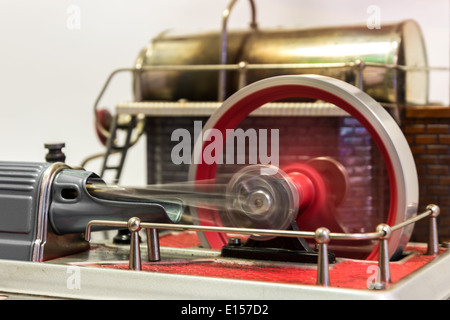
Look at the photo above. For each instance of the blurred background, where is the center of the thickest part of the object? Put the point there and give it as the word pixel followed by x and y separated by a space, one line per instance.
pixel 55 56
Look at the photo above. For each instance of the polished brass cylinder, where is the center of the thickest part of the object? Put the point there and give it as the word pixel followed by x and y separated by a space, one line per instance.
pixel 388 63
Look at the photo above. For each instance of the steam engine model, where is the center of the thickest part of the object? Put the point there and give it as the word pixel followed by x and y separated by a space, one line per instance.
pixel 277 169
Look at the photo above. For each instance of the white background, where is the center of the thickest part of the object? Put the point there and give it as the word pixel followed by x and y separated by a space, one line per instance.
pixel 51 74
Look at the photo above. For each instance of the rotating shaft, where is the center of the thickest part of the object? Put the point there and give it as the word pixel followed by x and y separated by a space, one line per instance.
pixel 250 199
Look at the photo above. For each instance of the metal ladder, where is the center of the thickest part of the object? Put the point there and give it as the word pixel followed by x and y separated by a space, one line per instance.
pixel 113 148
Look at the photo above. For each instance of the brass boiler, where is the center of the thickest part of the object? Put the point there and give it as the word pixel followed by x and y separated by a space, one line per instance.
pixel 387 63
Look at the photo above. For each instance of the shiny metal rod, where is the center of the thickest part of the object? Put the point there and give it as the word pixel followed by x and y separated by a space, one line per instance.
pixel 383 257
pixel 207 195
pixel 250 231
pixel 224 44
pixel 223 67
pixel 267 66
pixel 322 236
pixel 134 226
pixel 426 213
pixel 153 245
pixel 433 239
pixel 281 233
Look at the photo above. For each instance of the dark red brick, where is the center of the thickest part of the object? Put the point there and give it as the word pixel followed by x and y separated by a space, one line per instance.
pixel 421 170
pixel 437 149
pixel 445 181
pixel 438 128
pixel 437 169
pixel 427 199
pixel 425 139
pixel 418 149
pixel 439 190
pixel 428 180
pixel 415 128
pixel 426 159
pixel 444 211
pixel 444 159
pixel 409 139
pixel 444 138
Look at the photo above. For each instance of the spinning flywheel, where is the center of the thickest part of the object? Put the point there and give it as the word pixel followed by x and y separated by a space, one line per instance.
pixel 309 192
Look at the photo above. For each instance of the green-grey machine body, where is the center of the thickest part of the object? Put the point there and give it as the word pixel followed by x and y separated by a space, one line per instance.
pixel 45 208
pixel 19 198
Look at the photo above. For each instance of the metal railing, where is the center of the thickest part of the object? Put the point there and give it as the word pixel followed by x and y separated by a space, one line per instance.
pixel 243 67
pixel 322 236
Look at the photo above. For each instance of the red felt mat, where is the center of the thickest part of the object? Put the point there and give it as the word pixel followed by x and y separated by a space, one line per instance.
pixel 179 240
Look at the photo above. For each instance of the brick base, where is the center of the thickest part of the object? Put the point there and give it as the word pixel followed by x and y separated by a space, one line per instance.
pixel 427 130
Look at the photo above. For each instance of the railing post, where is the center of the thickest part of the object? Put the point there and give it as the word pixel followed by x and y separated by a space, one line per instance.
pixel 322 237
pixel 383 256
pixel 134 226
pixel 359 64
pixel 433 239
pixel 242 74
pixel 153 245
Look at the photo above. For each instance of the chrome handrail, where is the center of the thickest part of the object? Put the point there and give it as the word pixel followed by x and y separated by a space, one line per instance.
pixel 224 43
pixel 45 194
pixel 244 66
pixel 322 237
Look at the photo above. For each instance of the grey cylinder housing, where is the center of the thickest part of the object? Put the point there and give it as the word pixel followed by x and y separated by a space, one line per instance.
pixel 45 208
pixel 20 186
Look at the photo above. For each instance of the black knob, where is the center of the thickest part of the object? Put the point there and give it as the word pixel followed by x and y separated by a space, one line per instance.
pixel 55 153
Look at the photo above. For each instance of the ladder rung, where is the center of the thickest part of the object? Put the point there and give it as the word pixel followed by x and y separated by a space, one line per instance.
pixel 119 148
pixel 111 168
